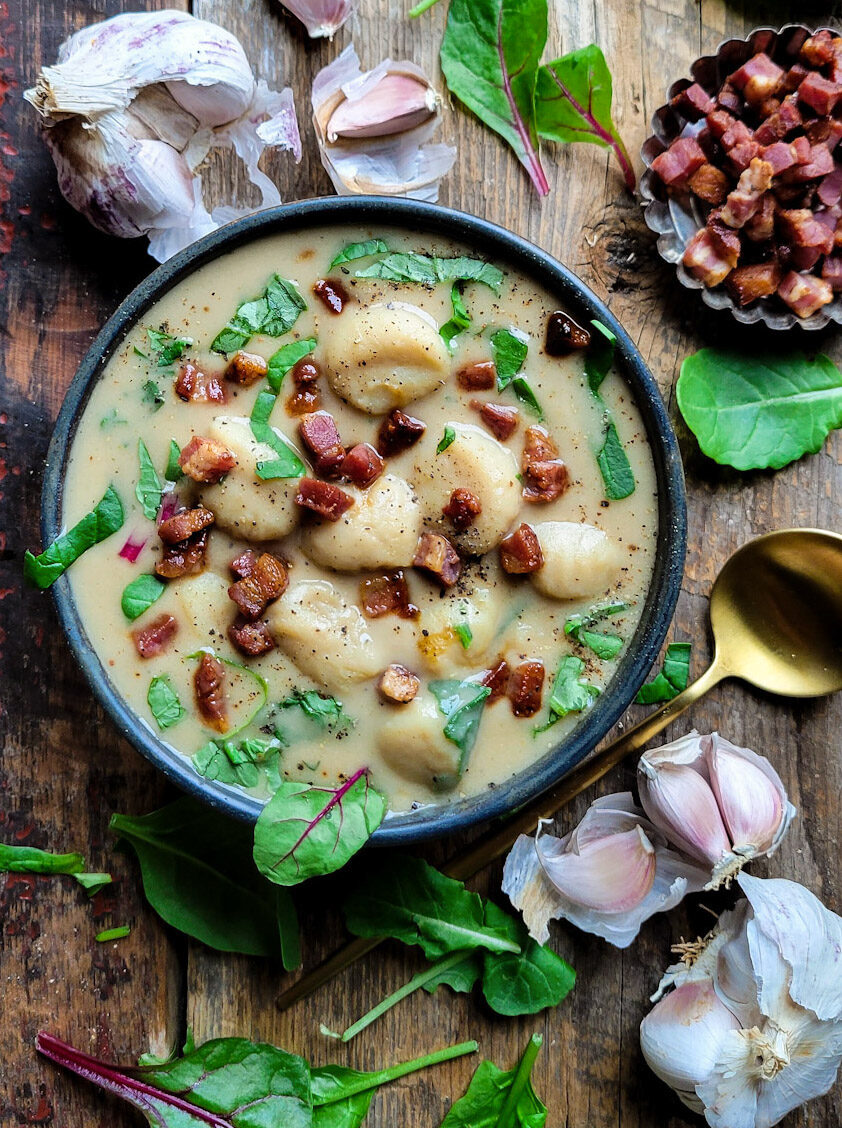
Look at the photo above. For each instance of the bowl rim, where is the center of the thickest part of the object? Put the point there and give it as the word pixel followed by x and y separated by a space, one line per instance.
pixel 501 245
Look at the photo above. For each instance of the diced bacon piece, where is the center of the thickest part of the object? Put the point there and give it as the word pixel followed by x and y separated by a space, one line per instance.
pixel 802 149
pixel 709 184
pixel 729 99
pixel 780 156
pixel 767 108
pixel 245 368
pixel 304 400
pixel 387 592
pixel 497 680
pixel 804 293
pixel 520 551
pixel 545 477
pixel 243 565
pixel 462 509
pixel 702 260
pixel 184 524
pixel 398 432
pixel 745 200
pixel 803 258
pixel 266 581
pixel 693 103
pixel 677 164
pixel 331 294
pixel 830 189
pixel 819 164
pixel 761 226
pixel 501 421
pixel 209 688
pixel 323 498
pixel 398 684
pixel 819 93
pixel 835 71
pixel 362 465
pixel 817 51
pixel 153 640
pixel 195 386
pixel 793 78
pixel 726 241
pixel 824 131
pixel 321 438
pixel 737 134
pixel 186 558
pixel 719 122
pixel 526 686
pixel 436 555
pixel 206 460
pixel 564 335
pixel 781 123
pixel 758 78
pixel 832 271
pixel 741 156
pixel 305 372
pixel 829 216
pixel 477 377
pixel 537 445
pixel 251 639
pixel 748 283
pixel 800 228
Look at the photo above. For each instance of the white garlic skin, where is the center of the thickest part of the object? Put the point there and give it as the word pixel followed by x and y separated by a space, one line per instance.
pixel 322 18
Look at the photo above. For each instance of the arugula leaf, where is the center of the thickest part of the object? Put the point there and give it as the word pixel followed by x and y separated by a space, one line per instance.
pixel 759 412
pixel 671 680
pixel 164 703
pixel 510 349
pixel 614 466
pixel 173 471
pixel 448 436
pixel 118 933
pixel 462 702
pixel 490 56
pixel 525 394
pixel 570 692
pixel 273 313
pixel 149 486
pixel 287 356
pixel 199 877
pixel 287 464
pixel 573 103
pixel 407 266
pixel 140 594
pixel 306 830
pixel 325 711
pixel 29 859
pixel 106 518
pixel 167 349
pixel 360 250
pixel 460 320
pixel 152 395
pixel 498 1098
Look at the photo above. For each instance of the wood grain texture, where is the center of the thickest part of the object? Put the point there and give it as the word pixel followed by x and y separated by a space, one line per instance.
pixel 62 770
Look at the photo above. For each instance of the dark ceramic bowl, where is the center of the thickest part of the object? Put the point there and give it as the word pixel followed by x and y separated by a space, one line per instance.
pixel 501 246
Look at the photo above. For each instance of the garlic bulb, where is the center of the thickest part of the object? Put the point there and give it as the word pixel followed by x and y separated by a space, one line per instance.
pixel 753 1028
pixel 132 108
pixel 719 804
pixel 608 876
pixel 322 17
pixel 372 128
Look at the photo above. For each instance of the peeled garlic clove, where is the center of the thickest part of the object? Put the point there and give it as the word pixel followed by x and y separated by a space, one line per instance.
pixel 680 803
pixel 397 103
pixel 322 17
pixel 750 795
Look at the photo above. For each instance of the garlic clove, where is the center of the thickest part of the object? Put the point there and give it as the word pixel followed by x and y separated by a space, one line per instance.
pixel 682 1038
pixel 750 795
pixel 610 875
pixel 397 103
pixel 681 804
pixel 322 17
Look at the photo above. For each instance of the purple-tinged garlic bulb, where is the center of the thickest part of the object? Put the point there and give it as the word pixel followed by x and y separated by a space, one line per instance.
pixel 322 18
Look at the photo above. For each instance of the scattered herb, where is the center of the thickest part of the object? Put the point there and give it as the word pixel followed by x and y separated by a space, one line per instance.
pixel 571 693
pixel 273 313
pixel 462 702
pixel 461 319
pixel 111 419
pixel 306 830
pixel 28 859
pixel 360 250
pixel 490 56
pixel 164 703
pixel 173 471
pixel 250 675
pixel 149 486
pixel 573 103
pixel 280 362
pixel 240 762
pixel 759 412
pixel 167 349
pixel 140 594
pixel 672 678
pixel 448 436
pixel 287 464
pixel 44 569
pixel 199 877
pixel 510 348
pixel 117 933
pixel 325 711
pixel 524 392
pixel 603 645
pixel 152 395
pixel 611 457
pixel 93 882
pixel 600 355
pixel 464 633
pixel 407 266
pixel 498 1098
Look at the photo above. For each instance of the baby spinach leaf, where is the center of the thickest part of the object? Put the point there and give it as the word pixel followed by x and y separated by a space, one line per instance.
pixel 462 703
pixel 759 412
pixel 448 437
pixel 523 390
pixel 570 692
pixel 498 1098
pixel 605 646
pixel 671 680
pixel 44 569
pixel 29 859
pixel 510 349
pixel 173 471
pixel 152 395
pixel 614 466
pixel 285 304
pixel 577 626
pixel 240 762
pixel 287 356
pixel 199 877
pixel 118 933
pixel 573 103
pixel 360 250
pixel 93 882
pixel 490 56
pixel 527 981
pixel 600 355
pixel 306 830
pixel 407 266
pixel 149 485
pixel 460 320
pixel 464 633
pixel 327 712
pixel 287 464
pixel 273 313
pixel 164 703
pixel 167 349
pixel 140 594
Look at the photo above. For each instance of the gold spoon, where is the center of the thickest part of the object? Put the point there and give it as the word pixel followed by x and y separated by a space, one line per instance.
pixel 776 617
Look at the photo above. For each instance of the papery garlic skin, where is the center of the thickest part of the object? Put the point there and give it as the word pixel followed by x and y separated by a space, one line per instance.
pixel 322 18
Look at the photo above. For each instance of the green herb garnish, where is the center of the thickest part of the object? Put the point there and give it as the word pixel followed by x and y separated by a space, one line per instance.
pixel 287 464
pixel 44 569
pixel 166 348
pixel 117 933
pixel 600 355
pixel 112 419
pixel 672 678
pixel 152 395
pixel 173 471
pixel 498 1098
pixel 360 250
pixel 149 486
pixel 164 703
pixel 29 859
pixel 510 349
pixel 448 436
pixel 611 457
pixel 93 882
pixel 462 702
pixel 523 390
pixel 460 320
pixel 327 712
pixel 464 633
pixel 273 313
pixel 571 693
pixel 280 362
pixel 429 270
pixel 140 594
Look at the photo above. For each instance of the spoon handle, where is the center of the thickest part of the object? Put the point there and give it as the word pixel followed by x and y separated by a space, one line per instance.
pixel 500 839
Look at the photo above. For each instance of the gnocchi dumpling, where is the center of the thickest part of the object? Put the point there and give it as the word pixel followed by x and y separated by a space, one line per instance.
pixel 243 504
pixel 412 742
pixel 475 461
pixel 579 560
pixel 384 356
pixel 478 615
pixel 326 637
pixel 380 530
pixel 194 595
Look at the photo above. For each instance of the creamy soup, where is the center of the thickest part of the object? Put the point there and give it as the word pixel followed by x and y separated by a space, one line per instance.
pixel 372 553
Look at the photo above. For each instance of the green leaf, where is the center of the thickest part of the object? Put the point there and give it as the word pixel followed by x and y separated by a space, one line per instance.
pixel 759 412
pixel 239 763
pixel 522 982
pixel 672 679
pixel 152 395
pixel 524 392
pixel 285 304
pixel 164 703
pixel 570 692
pixel 460 320
pixel 140 594
pixel 498 1098
pixel 93 882
pixel 462 703
pixel 28 859
pixel 307 830
pixel 166 348
pixel 614 466
pixel 360 250
pixel 464 633
pixel 280 362
pixel 575 624
pixel 448 436
pixel 273 313
pixel 173 471
pixel 199 877
pixel 510 349
pixel 573 103
pixel 44 569
pixel 118 933
pixel 600 355
pixel 605 646
pixel 111 419
pixel 490 56
pixel 149 485
pixel 428 270
pixel 287 464
pixel 327 712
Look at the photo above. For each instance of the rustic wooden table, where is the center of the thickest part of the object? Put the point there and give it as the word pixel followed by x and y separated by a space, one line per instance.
pixel 63 769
